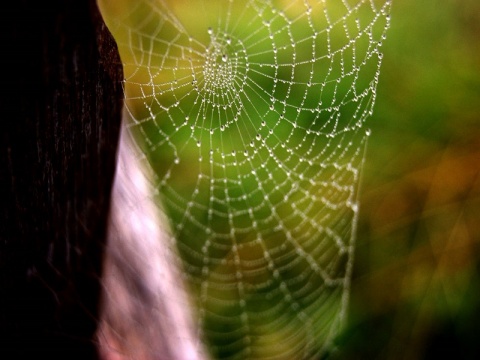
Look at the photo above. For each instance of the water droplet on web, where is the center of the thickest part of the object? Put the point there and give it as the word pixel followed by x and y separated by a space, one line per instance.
pixel 264 123
pixel 224 57
pixel 210 31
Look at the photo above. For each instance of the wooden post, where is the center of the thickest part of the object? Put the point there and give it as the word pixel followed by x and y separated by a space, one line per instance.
pixel 60 111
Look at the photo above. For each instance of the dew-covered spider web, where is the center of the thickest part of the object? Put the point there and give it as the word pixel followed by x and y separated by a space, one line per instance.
pixel 252 116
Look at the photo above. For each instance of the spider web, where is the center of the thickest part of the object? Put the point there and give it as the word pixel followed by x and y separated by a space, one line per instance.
pixel 252 116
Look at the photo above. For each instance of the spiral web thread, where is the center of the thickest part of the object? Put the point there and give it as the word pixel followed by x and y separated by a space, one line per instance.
pixel 252 116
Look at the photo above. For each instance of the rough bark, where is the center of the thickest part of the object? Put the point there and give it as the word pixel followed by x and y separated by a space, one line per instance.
pixel 60 112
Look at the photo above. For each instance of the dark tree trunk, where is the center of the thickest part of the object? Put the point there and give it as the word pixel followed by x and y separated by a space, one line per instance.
pixel 60 103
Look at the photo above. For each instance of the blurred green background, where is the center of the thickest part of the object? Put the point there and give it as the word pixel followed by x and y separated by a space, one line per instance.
pixel 416 282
